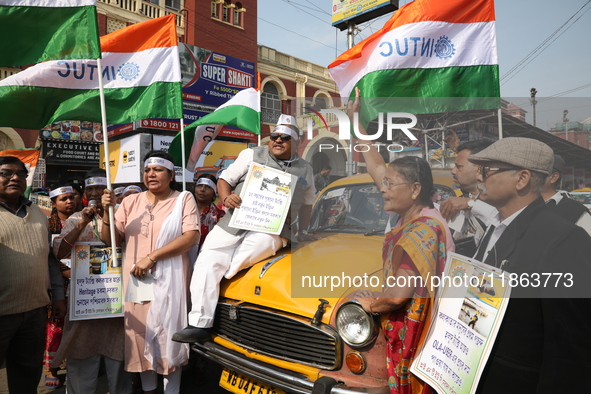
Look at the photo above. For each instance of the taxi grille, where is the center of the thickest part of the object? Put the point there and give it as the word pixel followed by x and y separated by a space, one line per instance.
pixel 278 336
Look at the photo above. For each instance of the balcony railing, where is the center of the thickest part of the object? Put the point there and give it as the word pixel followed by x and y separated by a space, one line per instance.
pixel 271 55
pixel 145 9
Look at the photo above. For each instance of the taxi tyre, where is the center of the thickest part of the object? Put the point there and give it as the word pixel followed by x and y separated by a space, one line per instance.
pixel 288 381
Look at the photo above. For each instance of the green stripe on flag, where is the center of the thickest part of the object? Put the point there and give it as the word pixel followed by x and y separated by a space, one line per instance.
pixel 35 34
pixel 429 90
pixel 239 116
pixel 32 107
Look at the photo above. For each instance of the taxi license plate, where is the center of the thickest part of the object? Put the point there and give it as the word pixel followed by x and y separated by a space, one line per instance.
pixel 240 384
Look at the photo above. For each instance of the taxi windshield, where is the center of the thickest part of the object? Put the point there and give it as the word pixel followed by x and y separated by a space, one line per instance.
pixel 350 209
pixel 582 197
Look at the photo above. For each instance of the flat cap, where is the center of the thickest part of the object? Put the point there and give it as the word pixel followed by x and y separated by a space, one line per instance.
pixel 559 164
pixel 520 152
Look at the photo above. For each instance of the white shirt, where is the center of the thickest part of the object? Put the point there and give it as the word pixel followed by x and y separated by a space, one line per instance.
pixel 483 211
pixel 500 227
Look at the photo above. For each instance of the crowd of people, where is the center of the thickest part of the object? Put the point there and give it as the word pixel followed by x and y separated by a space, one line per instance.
pixel 182 244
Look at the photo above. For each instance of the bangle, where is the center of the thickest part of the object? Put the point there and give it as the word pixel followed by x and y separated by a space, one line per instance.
pixel 151 259
pixel 224 201
pixel 66 241
pixel 105 223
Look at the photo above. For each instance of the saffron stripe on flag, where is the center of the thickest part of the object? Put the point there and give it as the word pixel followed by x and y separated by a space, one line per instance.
pixel 139 85
pixel 155 33
pixel 421 45
pixel 452 11
pixel 431 56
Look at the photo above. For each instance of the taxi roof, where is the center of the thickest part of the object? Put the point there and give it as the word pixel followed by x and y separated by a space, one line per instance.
pixel 441 176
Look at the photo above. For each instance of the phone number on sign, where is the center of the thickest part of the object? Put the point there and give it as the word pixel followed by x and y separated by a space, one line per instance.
pixel 544 279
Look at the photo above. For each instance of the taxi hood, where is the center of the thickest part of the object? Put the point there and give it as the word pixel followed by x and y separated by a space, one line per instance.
pixel 294 280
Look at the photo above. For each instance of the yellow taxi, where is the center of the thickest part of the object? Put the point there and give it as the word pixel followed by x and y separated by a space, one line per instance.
pixel 582 195
pixel 289 325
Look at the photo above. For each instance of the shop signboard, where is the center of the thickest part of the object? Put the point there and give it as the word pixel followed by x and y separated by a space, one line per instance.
pixel 125 158
pixel 70 152
pixel 359 11
pixel 210 79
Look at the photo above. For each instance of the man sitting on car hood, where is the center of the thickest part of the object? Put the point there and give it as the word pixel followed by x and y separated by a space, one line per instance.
pixel 228 250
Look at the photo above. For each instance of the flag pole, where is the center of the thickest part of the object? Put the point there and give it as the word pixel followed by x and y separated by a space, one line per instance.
pixel 110 209
pixel 500 117
pixel 183 154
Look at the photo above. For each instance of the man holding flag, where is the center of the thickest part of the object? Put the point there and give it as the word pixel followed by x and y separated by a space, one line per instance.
pixel 228 250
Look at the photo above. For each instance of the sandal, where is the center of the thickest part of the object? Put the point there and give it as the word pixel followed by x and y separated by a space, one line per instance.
pixel 52 383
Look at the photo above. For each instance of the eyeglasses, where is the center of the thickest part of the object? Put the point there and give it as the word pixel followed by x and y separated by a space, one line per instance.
pixel 284 137
pixel 487 170
pixel 10 174
pixel 389 184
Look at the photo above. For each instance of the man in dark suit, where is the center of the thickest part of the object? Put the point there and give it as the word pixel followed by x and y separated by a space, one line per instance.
pixel 543 345
pixel 571 210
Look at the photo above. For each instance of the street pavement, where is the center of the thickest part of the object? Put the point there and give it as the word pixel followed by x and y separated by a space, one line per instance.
pixel 198 378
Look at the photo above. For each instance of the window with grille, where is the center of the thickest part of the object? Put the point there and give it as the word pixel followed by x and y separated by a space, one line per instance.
pixel 270 104
pixel 215 10
pixel 226 11
pixel 238 14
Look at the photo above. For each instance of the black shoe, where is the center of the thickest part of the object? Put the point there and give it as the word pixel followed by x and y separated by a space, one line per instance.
pixel 192 334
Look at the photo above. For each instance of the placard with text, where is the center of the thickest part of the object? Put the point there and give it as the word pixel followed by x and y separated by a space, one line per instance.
pixel 471 301
pixel 96 282
pixel 266 196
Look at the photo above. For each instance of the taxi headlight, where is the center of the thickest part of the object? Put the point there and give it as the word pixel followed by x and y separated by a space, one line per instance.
pixel 354 325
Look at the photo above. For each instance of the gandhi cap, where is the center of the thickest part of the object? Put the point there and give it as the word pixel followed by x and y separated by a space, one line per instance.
pixel 287 120
pixel 520 152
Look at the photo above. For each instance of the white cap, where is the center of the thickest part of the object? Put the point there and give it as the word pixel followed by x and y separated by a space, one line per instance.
pixel 287 120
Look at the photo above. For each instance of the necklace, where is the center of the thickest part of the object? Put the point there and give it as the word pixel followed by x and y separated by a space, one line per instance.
pixel 156 203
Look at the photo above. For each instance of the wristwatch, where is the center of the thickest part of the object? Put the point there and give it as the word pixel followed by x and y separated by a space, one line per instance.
pixel 471 203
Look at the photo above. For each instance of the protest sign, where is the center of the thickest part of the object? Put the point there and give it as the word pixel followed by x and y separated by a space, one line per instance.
pixel 266 196
pixel 471 301
pixel 96 282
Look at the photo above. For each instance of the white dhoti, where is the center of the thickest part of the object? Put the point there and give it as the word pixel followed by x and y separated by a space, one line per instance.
pixel 223 255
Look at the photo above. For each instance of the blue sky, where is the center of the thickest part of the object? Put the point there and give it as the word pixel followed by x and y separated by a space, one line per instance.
pixel 302 28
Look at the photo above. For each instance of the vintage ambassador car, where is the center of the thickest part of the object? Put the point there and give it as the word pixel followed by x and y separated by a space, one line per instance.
pixel 286 324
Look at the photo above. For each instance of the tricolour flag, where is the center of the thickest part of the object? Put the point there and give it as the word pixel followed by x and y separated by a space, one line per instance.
pixel 33 31
pixel 242 111
pixel 141 76
pixel 429 48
